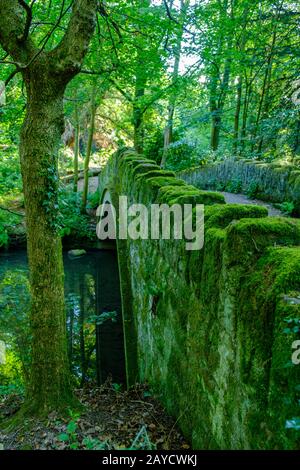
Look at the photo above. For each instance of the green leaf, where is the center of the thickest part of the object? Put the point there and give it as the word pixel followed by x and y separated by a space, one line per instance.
pixel 63 437
pixel 71 428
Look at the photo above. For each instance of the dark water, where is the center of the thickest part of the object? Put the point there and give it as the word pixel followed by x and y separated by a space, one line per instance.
pixel 93 307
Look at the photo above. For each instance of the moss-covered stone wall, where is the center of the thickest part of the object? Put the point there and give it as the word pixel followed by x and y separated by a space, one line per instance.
pixel 274 182
pixel 212 330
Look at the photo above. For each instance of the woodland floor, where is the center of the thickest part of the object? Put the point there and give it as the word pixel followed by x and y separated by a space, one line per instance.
pixel 111 420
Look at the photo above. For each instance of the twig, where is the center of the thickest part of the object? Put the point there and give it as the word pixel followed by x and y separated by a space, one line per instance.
pixel 28 10
pixel 142 402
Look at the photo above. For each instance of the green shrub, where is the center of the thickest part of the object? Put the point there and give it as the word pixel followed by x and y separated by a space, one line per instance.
pixel 234 186
pixel 93 200
pixel 183 154
pixel 252 190
pixel 287 207
pixel 72 222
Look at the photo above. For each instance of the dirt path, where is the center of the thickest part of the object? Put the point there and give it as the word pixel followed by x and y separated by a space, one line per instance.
pixel 231 198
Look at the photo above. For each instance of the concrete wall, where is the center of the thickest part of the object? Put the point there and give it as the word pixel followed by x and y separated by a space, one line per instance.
pixel 205 328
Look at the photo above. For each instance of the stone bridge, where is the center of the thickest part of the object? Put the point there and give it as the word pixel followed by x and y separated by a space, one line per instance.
pixel 211 330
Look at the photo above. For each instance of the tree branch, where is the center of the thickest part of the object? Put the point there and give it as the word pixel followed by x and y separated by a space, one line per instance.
pixel 124 93
pixel 70 52
pixel 105 15
pixel 169 14
pixel 98 72
pixel 45 40
pixel 28 10
pixel 12 28
pixel 161 92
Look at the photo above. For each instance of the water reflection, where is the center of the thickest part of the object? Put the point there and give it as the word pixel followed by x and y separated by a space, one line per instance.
pixel 93 312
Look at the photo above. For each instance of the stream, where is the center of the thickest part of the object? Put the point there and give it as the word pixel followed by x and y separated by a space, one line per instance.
pixel 93 312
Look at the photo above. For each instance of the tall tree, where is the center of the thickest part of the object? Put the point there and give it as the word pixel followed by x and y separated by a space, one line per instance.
pixel 93 109
pixel 46 73
pixel 168 133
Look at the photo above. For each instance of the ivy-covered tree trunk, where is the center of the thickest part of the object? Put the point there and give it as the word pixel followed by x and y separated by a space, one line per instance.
pixel 40 138
pixel 46 75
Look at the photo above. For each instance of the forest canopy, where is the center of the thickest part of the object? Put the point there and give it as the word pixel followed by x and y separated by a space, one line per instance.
pixel 205 79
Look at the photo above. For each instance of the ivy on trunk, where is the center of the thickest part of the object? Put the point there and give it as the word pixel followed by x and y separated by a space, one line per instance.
pixel 46 75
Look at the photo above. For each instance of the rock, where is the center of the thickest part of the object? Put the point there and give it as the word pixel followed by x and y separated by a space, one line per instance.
pixel 76 253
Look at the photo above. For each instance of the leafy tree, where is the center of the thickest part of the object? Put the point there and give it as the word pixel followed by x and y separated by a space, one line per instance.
pixel 47 64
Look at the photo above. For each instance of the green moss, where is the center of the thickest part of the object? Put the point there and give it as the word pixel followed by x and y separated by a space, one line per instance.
pixel 248 238
pixel 212 266
pixel 203 197
pixel 159 181
pixel 156 173
pixel 206 327
pixel 221 216
pixel 287 231
pixel 143 168
pixel 188 195
pixel 285 264
pixel 134 162
pixel 262 308
pixel 170 192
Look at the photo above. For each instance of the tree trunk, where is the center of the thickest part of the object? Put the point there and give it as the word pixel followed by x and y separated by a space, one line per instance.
pixel 89 149
pixel 246 103
pixel 40 138
pixel 138 115
pixel 265 110
pixel 138 127
pixel 217 102
pixel 215 132
pixel 264 99
pixel 237 115
pixel 76 149
pixel 138 107
pixel 215 118
pixel 46 75
pixel 168 133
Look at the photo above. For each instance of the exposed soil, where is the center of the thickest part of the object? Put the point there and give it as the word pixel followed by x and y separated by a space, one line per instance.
pixel 231 198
